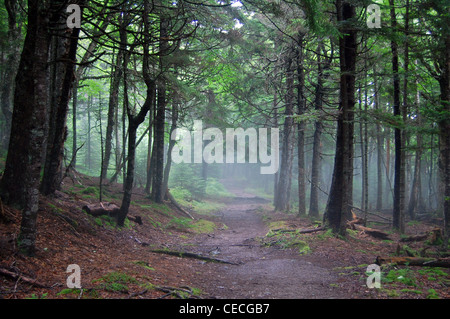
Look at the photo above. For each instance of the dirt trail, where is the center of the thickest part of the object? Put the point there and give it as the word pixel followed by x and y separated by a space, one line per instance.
pixel 263 272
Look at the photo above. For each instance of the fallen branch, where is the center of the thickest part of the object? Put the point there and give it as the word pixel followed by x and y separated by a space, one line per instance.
pixel 140 242
pixel 434 235
pixel 192 255
pixel 298 231
pixel 371 231
pixel 414 261
pixel 102 208
pixel 177 291
pixel 355 225
pixel 175 203
pixel 26 279
pixel 139 293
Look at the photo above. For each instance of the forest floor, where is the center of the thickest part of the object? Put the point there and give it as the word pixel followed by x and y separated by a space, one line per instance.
pixel 258 253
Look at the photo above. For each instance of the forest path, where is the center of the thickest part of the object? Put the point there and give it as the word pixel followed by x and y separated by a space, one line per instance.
pixel 262 272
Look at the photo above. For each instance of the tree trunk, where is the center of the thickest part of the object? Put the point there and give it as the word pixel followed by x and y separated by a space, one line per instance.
pixel 112 109
pixel 415 198
pixel 379 204
pixel 88 150
pixel 20 182
pixel 63 51
pixel 135 120
pixel 399 173
pixel 301 126
pixel 171 145
pixel 275 124
pixel 74 124
pixel 338 209
pixel 444 130
pixel 282 195
pixel 149 152
pixel 133 124
pixel 10 69
pixel 157 186
pixel 364 146
pixel 318 127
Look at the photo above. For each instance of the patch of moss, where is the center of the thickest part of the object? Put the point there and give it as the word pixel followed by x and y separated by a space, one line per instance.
pixel 404 275
pixel 203 226
pixel 115 282
pixel 432 294
pixel 72 293
pixel 286 240
pixel 143 264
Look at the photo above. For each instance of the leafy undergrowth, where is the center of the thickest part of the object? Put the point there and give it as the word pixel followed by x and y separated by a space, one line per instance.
pixel 114 262
pixel 350 257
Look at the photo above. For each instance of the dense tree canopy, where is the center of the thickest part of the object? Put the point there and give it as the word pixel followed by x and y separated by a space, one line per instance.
pixel 363 112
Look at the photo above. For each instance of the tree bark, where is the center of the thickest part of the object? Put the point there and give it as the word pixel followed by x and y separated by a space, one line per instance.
pixel 157 185
pixel 444 132
pixel 171 145
pixel 379 137
pixel 301 127
pixel 282 195
pixel 112 109
pixel 135 120
pixel 63 51
pixel 399 173
pixel 20 182
pixel 338 209
pixel 10 69
pixel 322 66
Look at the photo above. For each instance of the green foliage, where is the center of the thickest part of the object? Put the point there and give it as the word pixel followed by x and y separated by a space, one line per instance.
pixel 72 293
pixel 115 282
pixel 180 223
pixel 34 296
pixel 432 294
pixel 286 240
pixel 110 222
pixel 184 176
pixel 200 226
pixel 404 275
pixel 216 190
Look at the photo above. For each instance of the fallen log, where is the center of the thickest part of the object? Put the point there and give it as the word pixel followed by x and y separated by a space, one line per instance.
pixel 434 236
pixel 192 255
pixel 102 208
pixel 21 277
pixel 414 261
pixel 178 206
pixel 371 231
pixel 356 222
pixel 136 219
pixel 298 231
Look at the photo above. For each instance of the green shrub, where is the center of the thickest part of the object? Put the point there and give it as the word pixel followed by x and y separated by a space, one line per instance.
pixel 185 176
